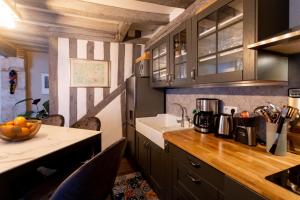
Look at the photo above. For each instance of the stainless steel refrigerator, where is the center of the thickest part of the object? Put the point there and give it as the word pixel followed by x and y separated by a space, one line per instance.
pixel 142 101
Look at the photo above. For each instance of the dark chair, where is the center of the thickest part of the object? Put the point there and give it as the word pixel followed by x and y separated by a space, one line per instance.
pixel 55 120
pixel 94 179
pixel 89 123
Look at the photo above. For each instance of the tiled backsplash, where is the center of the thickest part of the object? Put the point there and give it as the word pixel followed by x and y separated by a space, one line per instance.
pixel 245 98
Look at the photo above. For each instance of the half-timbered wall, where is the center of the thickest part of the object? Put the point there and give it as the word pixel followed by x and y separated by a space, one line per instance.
pixel 108 104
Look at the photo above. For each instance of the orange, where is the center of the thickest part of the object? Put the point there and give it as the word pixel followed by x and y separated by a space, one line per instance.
pixel 6 130
pixel 29 125
pixel 10 123
pixel 16 130
pixel 20 121
pixel 24 132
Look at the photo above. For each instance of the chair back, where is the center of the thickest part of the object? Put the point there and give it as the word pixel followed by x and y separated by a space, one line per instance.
pixel 94 179
pixel 89 123
pixel 55 120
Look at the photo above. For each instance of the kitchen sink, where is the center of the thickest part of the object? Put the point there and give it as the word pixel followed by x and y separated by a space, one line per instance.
pixel 289 179
pixel 154 127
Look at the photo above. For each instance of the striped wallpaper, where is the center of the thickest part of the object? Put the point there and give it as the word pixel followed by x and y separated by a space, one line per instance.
pixel 108 104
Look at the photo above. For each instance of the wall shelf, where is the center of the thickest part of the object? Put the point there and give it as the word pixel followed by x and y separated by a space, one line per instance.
pixel 288 43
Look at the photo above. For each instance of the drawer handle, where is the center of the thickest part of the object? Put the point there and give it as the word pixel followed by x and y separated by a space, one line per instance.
pixel 194 180
pixel 195 164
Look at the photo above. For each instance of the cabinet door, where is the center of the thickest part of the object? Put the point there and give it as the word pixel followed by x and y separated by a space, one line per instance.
pixel 159 170
pixel 180 54
pixel 219 47
pixel 131 140
pixel 234 190
pixel 142 148
pixel 159 63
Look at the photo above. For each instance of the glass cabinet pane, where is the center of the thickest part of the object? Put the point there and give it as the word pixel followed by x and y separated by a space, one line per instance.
pixel 230 14
pixel 155 64
pixel 180 71
pixel 163 49
pixel 207 45
pixel 207 25
pixel 163 75
pixel 230 61
pixel 155 53
pixel 230 37
pixel 163 62
pixel 207 65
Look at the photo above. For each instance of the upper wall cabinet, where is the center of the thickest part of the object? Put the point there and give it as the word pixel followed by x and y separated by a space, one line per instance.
pixel 223 32
pixel 218 38
pixel 180 54
pixel 159 63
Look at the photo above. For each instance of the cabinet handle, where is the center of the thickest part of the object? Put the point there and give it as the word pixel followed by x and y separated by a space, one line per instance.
pixel 195 164
pixel 194 180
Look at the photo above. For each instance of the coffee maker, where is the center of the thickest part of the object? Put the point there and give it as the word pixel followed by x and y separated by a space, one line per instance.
pixel 206 109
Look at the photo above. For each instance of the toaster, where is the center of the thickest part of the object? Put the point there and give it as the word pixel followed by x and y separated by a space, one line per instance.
pixel 245 129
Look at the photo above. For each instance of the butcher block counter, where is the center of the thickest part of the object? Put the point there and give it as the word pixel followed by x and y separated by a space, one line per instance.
pixel 245 164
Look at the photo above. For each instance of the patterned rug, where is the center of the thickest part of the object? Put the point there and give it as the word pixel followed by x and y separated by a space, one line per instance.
pixel 133 187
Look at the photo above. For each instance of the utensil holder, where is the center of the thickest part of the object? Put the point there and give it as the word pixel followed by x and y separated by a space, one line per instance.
pixel 271 137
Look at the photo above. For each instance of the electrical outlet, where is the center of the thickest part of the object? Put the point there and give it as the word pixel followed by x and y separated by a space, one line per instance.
pixel 227 109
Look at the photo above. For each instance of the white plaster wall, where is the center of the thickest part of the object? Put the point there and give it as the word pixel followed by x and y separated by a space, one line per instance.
pixel 111 123
pixel 37 64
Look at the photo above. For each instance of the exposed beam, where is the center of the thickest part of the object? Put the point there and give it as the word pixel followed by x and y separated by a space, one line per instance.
pixel 33 48
pixel 24 37
pixel 122 31
pixel 6 48
pixel 98 11
pixel 50 19
pixel 196 7
pixel 172 3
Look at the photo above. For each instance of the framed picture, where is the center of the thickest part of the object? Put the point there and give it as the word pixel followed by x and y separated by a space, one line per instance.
pixel 89 73
pixel 45 83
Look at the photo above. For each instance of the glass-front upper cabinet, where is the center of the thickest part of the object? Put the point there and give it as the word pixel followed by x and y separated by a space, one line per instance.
pixel 180 54
pixel 220 43
pixel 160 63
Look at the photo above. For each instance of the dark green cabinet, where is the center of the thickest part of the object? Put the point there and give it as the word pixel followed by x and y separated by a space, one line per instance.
pixel 234 190
pixel 160 63
pixel 212 47
pixel 181 54
pixel 223 32
pixel 154 163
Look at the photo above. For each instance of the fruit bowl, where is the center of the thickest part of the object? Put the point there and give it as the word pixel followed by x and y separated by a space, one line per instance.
pixel 13 131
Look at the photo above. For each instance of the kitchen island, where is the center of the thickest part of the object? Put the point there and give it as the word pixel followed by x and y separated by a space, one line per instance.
pixel 244 164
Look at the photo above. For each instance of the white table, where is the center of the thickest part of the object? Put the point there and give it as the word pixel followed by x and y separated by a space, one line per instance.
pixel 49 141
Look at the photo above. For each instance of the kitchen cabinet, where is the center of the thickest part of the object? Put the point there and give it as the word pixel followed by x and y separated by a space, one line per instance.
pixel 159 63
pixel 130 150
pixel 181 54
pixel 223 32
pixel 193 179
pixel 235 190
pixel 154 163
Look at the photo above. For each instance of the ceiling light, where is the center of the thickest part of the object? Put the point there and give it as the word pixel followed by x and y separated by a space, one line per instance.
pixel 8 14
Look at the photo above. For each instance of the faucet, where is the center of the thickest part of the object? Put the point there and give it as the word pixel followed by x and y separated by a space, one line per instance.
pixel 183 114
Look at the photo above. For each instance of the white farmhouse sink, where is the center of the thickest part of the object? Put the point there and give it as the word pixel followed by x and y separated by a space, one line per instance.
pixel 154 127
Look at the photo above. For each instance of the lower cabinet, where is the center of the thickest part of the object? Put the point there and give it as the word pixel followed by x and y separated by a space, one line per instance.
pixel 176 175
pixel 154 163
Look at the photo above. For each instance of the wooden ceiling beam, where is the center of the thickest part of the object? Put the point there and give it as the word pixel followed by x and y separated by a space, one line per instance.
pixel 7 49
pixel 172 3
pixel 122 31
pixel 50 19
pixel 24 37
pixel 98 11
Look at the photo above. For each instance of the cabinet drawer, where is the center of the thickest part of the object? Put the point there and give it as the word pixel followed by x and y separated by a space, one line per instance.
pixel 205 171
pixel 190 185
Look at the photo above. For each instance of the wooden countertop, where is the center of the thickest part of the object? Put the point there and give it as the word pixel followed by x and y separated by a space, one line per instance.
pixel 248 165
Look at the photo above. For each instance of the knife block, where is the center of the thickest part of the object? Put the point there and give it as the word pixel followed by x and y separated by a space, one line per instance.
pixel 271 137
